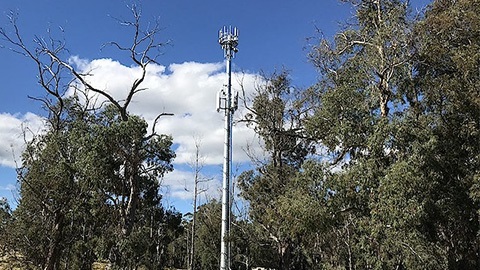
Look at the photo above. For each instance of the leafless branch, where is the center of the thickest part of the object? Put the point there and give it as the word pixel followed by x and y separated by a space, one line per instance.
pixel 158 118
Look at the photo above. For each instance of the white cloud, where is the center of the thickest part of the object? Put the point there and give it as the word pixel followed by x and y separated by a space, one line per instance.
pixel 8 187
pixel 180 184
pixel 14 130
pixel 188 90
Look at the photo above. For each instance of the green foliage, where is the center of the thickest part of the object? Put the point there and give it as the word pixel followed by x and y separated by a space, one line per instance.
pixel 89 184
pixel 90 191
pixel 208 235
pixel 396 118
pixel 277 121
pixel 207 239
pixel 275 117
pixel 5 217
pixel 449 76
pixel 377 166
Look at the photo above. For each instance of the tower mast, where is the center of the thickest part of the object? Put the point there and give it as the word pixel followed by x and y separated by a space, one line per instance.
pixel 228 39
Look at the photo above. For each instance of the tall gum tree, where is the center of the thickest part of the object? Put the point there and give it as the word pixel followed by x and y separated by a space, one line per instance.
pixel 273 115
pixel 362 100
pixel 92 160
pixel 398 113
pixel 448 78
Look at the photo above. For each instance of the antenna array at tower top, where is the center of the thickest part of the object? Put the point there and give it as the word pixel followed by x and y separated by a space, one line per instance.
pixel 228 38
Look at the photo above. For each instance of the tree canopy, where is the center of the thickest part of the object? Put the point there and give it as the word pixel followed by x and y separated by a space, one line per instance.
pixel 375 166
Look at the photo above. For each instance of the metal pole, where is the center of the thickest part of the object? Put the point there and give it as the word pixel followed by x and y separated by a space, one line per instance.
pixel 228 38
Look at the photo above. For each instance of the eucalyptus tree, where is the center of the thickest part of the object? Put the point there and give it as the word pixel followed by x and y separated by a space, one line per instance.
pixel 397 112
pixel 89 182
pixel 448 81
pixel 5 215
pixel 207 231
pixel 361 119
pixel 273 115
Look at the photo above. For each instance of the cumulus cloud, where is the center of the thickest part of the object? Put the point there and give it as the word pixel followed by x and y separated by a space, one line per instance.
pixel 180 184
pixel 8 187
pixel 188 90
pixel 15 129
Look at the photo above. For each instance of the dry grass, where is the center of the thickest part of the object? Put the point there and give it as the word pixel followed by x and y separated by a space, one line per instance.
pixel 8 263
pixel 99 266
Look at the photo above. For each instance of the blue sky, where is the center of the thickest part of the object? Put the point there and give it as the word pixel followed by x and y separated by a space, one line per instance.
pixel 273 35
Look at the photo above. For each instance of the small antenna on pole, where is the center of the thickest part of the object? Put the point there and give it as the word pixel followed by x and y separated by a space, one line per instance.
pixel 228 39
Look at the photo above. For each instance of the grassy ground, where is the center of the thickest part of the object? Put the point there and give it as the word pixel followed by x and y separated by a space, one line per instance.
pixel 10 264
pixel 98 266
pixel 7 263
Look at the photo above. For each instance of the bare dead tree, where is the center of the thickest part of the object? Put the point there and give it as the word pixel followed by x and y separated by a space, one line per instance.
pixel 197 164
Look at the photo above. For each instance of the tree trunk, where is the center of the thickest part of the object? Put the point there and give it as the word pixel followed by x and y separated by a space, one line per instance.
pixel 131 174
pixel 284 249
pixel 384 95
pixel 192 249
pixel 53 257
pixel 129 217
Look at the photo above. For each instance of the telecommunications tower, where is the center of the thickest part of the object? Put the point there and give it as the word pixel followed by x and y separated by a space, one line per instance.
pixel 228 38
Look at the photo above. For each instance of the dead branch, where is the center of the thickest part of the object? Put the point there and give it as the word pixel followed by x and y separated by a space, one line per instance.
pixel 158 118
